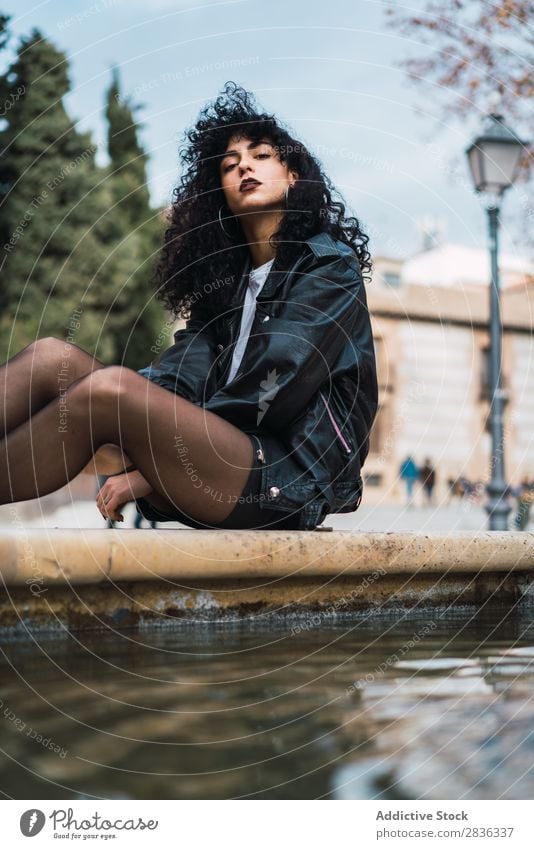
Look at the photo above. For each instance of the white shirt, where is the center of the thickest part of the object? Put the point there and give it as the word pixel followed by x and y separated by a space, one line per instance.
pixel 256 279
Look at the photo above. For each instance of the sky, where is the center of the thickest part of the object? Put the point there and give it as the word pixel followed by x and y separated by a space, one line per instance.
pixel 330 70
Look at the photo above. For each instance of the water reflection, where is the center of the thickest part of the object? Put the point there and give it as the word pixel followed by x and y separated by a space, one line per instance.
pixel 435 705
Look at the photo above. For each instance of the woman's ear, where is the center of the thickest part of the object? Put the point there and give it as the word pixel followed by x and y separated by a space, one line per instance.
pixel 295 177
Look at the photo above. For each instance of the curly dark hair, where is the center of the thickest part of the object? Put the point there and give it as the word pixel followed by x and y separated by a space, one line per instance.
pixel 196 250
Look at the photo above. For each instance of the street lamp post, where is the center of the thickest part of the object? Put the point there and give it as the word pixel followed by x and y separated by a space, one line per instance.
pixel 493 158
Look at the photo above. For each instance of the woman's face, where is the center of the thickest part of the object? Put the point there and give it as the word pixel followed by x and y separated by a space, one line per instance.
pixel 253 178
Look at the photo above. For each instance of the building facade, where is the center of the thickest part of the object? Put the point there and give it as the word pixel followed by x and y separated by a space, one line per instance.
pixel 430 318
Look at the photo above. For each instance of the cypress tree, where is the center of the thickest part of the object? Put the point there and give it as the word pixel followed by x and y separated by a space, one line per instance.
pixel 51 198
pixel 4 31
pixel 136 318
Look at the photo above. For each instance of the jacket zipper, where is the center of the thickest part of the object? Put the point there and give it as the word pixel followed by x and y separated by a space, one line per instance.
pixel 336 427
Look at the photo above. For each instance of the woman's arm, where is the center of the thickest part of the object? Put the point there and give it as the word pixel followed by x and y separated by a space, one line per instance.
pixel 118 491
pixel 188 366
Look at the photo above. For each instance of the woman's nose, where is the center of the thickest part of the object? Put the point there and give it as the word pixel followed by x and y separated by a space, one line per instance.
pixel 244 165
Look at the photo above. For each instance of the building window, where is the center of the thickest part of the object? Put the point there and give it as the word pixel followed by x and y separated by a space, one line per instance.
pixel 392 278
pixel 376 437
pixel 384 367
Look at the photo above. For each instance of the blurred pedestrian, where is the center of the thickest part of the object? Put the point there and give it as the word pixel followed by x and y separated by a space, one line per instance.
pixel 427 476
pixel 409 473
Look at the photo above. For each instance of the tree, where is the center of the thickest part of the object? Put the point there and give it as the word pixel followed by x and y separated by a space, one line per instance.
pixel 137 233
pixel 5 103
pixel 51 199
pixel 4 31
pixel 127 157
pixel 478 49
pixel 76 240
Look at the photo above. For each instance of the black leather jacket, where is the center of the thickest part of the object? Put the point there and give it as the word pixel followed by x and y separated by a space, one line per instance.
pixel 306 385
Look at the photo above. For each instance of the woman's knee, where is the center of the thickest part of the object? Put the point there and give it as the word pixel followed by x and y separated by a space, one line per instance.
pixel 58 363
pixel 102 385
pixel 47 346
pixel 43 358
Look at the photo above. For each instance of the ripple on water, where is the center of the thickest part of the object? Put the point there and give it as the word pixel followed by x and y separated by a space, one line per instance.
pixel 448 728
pixel 361 707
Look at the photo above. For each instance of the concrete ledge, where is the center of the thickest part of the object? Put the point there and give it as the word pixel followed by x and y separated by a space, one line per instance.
pixel 123 578
pixel 91 556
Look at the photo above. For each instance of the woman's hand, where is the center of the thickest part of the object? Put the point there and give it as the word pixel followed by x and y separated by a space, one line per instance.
pixel 118 491
pixel 107 460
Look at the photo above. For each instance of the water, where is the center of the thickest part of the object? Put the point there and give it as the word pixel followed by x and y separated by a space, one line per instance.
pixel 435 705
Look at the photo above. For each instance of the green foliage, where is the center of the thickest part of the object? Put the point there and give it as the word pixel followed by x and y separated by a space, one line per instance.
pixel 74 238
pixel 136 320
pixel 128 160
pixel 4 30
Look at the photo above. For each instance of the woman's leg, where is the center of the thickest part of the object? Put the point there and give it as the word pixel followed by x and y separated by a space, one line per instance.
pixel 193 459
pixel 36 375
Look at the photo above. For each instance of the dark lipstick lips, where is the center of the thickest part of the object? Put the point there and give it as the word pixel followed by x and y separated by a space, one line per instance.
pixel 248 182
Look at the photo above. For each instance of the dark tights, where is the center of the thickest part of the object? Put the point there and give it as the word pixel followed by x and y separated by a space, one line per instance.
pixel 60 405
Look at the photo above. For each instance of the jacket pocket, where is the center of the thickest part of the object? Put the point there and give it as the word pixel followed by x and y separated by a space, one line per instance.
pixel 341 438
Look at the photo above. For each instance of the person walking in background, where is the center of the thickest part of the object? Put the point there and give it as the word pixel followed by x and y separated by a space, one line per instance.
pixel 427 476
pixel 409 473
pixel 452 489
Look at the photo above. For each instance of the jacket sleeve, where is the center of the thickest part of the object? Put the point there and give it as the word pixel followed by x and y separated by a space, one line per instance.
pixel 188 366
pixel 290 356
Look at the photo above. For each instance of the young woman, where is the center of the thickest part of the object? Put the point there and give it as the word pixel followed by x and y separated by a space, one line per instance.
pixel 259 415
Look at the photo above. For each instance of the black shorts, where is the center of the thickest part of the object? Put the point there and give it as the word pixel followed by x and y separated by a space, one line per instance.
pixel 247 513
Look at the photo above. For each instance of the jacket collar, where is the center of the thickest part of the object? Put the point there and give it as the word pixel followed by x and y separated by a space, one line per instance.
pixel 321 245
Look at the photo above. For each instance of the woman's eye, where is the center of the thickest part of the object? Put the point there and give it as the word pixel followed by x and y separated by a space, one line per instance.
pixel 258 156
